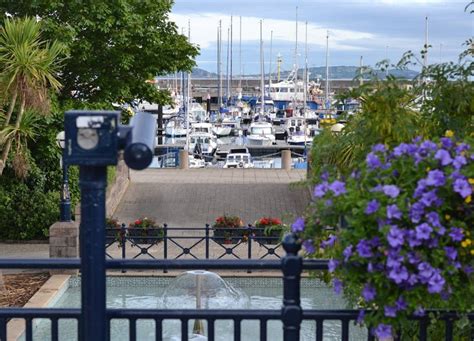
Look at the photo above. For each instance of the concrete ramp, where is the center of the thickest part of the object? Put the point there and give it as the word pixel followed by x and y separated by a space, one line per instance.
pixel 194 197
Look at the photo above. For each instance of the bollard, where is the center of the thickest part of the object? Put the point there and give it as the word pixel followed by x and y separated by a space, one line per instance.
pixel 292 265
pixel 183 159
pixel 286 160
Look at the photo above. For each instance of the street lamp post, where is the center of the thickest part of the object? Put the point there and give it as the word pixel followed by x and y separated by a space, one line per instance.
pixel 65 204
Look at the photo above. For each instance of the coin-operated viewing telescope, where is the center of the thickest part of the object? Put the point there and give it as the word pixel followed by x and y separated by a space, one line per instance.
pixel 94 138
pixel 93 142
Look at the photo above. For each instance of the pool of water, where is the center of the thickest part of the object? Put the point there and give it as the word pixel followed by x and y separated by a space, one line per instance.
pixel 146 293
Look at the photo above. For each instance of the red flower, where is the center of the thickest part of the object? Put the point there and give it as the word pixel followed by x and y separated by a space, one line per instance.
pixel 138 222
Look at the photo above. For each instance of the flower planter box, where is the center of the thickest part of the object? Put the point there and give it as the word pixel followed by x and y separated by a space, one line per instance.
pixel 149 236
pixel 227 235
pixel 266 236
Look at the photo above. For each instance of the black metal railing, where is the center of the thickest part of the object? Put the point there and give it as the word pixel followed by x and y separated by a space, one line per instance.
pixel 190 242
pixel 291 315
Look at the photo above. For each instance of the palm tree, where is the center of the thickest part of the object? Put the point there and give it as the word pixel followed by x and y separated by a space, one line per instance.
pixel 28 69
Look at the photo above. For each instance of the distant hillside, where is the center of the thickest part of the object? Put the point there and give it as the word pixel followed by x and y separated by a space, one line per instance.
pixel 201 73
pixel 335 72
pixel 348 72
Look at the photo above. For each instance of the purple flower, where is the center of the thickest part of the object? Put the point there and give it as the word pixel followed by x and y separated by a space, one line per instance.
pixel 436 283
pixel 425 271
pixel 325 176
pixel 328 203
pixel 462 187
pixel 416 212
pixel 423 231
pixel 320 190
pixel 308 246
pixel 394 261
pixel 401 304
pixel 368 293
pixel 337 284
pixel 413 258
pixel 398 275
pixel 433 219
pixel 372 206
pixel 395 237
pixel 412 280
pixel 400 150
pixel 412 239
pixel 379 148
pixel 456 234
pixel 298 225
pixel 383 332
pixel 390 311
pixel 444 157
pixel 364 249
pixel 420 187
pixel 435 178
pixel 347 253
pixel 419 311
pixel 461 147
pixel 332 265
pixel 393 212
pixel 446 142
pixel 360 317
pixel 373 161
pixel 468 269
pixel 427 146
pixel 329 242
pixel 338 188
pixel 451 252
pixel 428 198
pixel 459 161
pixel 391 190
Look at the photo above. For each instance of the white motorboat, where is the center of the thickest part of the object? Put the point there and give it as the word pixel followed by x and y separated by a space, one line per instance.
pixel 195 162
pixel 201 128
pixel 201 143
pixel 219 129
pixel 261 134
pixel 197 113
pixel 238 160
pixel 175 128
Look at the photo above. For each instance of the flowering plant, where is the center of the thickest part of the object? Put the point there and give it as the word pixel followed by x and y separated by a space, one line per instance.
pixel 143 223
pixel 228 221
pixel 145 231
pixel 273 228
pixel 398 232
pixel 225 229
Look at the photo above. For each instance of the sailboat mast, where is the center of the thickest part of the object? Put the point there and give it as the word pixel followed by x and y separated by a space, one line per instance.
pixel 188 94
pixel 227 68
pixel 231 55
pixel 326 96
pixel 305 81
pixel 425 56
pixel 271 53
pixel 296 50
pixel 219 61
pixel 240 52
pixel 262 82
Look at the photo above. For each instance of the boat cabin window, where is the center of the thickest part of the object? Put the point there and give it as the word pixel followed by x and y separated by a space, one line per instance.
pixel 283 89
pixel 261 130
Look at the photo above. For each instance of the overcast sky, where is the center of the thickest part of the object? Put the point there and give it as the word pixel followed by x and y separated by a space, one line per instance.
pixel 374 29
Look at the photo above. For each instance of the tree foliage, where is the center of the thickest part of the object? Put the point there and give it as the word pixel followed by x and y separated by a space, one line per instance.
pixel 114 46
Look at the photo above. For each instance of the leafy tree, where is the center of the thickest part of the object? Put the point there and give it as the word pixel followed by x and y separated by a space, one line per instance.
pixel 28 69
pixel 114 46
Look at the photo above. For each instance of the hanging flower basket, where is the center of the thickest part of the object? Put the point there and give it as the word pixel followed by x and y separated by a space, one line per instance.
pixel 268 230
pixel 228 230
pixel 145 231
pixel 112 230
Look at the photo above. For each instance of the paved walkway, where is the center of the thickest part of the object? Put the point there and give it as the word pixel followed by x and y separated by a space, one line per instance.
pixel 194 197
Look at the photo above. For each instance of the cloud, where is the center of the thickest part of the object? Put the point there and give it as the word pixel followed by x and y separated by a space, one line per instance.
pixel 204 31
